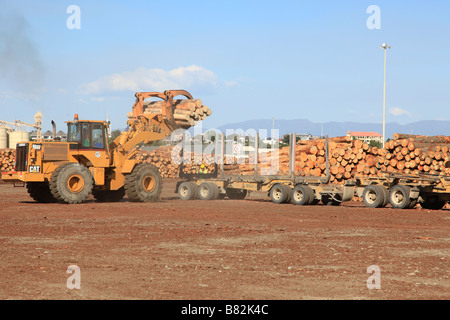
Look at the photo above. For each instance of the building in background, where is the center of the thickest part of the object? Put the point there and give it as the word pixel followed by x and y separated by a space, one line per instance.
pixel 366 137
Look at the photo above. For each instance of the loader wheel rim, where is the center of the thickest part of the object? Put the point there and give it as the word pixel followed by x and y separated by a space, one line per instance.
pixel 149 183
pixel 75 183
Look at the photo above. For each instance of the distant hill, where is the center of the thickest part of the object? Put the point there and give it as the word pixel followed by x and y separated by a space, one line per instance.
pixel 336 129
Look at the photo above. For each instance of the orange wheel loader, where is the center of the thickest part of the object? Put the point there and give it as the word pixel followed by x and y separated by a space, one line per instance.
pixel 69 172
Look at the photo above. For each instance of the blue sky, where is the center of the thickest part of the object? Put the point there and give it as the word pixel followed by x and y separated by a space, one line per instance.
pixel 246 60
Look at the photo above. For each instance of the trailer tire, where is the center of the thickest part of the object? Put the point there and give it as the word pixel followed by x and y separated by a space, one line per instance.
pixel 208 191
pixel 386 195
pixel 71 183
pixel 399 197
pixel 280 193
pixel 188 191
pixel 40 192
pixel 302 195
pixel 373 196
pixel 109 195
pixel 144 183
pixel 432 203
pixel 236 194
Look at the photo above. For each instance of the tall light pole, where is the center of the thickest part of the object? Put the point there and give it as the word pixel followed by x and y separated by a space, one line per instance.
pixel 384 46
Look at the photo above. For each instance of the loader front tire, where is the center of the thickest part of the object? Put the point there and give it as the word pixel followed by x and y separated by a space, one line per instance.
pixel 144 183
pixel 71 183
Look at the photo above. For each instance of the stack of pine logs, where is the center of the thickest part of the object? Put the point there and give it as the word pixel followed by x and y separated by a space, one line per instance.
pixel 413 154
pixel 406 154
pixel 187 113
pixel 7 160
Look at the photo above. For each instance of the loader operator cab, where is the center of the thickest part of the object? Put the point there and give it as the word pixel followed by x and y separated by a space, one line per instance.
pixel 88 134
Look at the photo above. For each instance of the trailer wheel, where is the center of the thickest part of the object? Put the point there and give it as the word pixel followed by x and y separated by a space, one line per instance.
pixel 373 196
pixel 280 193
pixel 40 192
pixel 302 195
pixel 399 197
pixel 144 183
pixel 208 191
pixel 432 203
pixel 71 183
pixel 386 195
pixel 236 194
pixel 188 191
pixel 109 195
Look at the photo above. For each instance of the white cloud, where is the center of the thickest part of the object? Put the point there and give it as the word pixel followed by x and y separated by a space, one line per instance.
pixel 230 84
pixel 142 79
pixel 399 112
pixel 32 95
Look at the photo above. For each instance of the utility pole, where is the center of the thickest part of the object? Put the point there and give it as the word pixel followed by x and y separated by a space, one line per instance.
pixel 384 46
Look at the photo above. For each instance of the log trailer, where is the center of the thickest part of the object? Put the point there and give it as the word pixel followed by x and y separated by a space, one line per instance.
pixel 69 172
pixel 280 189
pixel 403 191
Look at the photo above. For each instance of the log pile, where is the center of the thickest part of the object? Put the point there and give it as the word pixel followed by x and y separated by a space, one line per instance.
pixel 186 112
pixel 7 160
pixel 406 154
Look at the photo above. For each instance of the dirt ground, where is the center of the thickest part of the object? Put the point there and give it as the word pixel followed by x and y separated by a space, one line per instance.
pixel 225 249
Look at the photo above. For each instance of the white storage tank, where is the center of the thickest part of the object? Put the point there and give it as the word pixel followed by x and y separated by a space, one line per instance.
pixel 3 138
pixel 16 137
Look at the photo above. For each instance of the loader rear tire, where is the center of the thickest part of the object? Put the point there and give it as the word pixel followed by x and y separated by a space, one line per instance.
pixel 71 183
pixel 40 192
pixel 144 183
pixel 109 195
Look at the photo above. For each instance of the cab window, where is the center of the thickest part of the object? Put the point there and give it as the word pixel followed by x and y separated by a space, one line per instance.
pixel 74 133
pixel 88 135
pixel 97 136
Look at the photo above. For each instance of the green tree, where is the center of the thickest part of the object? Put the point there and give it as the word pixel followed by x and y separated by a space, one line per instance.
pixel 374 143
pixel 114 135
